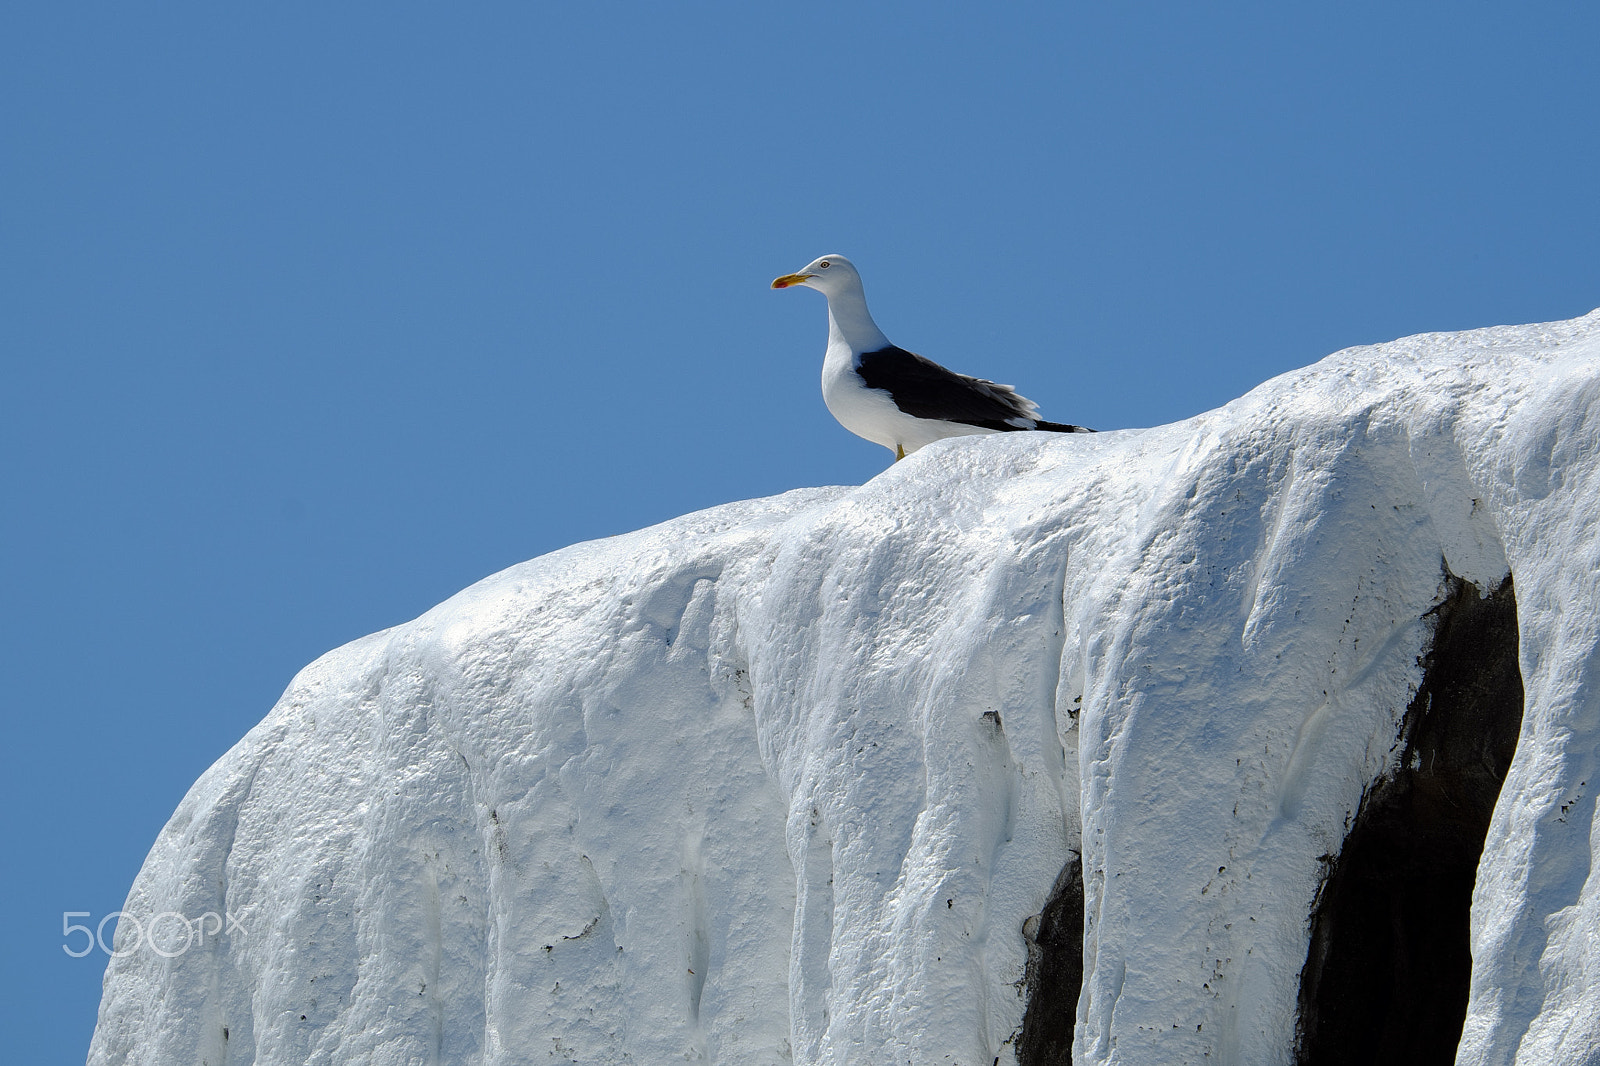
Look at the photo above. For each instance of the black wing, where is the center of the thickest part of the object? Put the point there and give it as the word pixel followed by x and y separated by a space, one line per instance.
pixel 924 389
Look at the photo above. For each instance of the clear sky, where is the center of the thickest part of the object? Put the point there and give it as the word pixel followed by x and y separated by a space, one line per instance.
pixel 311 316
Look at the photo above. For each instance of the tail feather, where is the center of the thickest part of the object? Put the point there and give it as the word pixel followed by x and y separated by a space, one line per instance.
pixel 1060 427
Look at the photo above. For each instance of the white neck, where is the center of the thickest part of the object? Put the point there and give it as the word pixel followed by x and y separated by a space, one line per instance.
pixel 848 321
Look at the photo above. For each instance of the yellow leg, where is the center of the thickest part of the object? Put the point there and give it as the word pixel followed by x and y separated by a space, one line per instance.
pixel 899 452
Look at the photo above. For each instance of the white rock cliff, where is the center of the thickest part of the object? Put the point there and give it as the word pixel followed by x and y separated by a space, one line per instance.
pixel 782 781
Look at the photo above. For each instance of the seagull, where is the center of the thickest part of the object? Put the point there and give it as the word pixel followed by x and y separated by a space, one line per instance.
pixel 894 397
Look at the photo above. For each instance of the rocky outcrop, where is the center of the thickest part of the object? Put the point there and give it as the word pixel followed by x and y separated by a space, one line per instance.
pixel 1142 724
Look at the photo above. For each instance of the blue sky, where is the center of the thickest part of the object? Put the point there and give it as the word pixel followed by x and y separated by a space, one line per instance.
pixel 312 317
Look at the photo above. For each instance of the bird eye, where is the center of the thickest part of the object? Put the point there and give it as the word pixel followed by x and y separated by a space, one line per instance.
pixel 823 264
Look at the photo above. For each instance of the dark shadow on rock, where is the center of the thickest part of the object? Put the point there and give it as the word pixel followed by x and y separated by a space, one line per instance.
pixel 1387 975
pixel 1055 972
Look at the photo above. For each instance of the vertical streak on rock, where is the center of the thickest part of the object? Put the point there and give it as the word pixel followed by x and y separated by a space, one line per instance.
pixel 434 935
pixel 697 924
pixel 810 973
pixel 1055 972
pixel 1386 978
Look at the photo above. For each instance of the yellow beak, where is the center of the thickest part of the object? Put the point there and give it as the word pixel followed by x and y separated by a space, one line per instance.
pixel 790 279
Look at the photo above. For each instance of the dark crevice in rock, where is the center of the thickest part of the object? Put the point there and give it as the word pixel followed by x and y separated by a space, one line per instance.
pixel 1387 975
pixel 1055 972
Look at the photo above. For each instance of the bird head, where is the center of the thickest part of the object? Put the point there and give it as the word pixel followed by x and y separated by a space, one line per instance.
pixel 828 275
